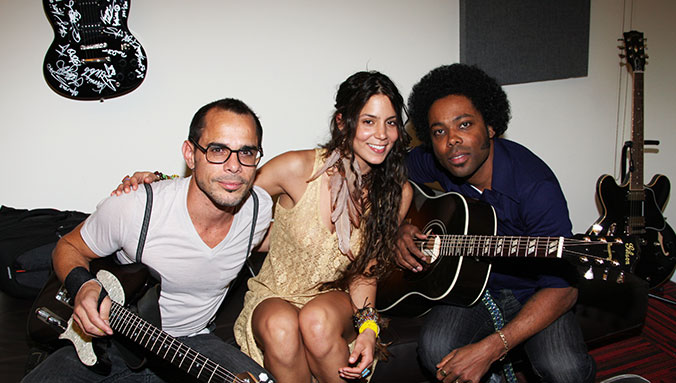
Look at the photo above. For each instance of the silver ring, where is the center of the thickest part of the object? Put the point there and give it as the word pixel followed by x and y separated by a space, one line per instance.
pixel 442 372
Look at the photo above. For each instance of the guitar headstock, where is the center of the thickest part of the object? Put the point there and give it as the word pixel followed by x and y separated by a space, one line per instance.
pixel 634 50
pixel 606 258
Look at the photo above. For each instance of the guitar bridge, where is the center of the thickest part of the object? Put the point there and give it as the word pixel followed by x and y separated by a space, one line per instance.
pixel 63 297
pixel 97 60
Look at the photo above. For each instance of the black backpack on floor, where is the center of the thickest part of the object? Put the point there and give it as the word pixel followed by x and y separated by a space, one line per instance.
pixel 27 238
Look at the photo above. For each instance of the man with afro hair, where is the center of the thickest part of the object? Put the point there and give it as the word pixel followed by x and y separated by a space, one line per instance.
pixel 459 114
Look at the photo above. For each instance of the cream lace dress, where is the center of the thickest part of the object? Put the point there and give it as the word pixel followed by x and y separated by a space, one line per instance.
pixel 303 254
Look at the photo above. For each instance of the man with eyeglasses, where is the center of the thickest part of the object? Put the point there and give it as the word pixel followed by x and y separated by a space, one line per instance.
pixel 197 241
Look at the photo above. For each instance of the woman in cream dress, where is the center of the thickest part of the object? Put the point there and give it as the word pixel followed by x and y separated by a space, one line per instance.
pixel 336 218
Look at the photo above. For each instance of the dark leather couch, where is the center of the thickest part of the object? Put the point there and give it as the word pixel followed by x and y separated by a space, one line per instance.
pixel 606 311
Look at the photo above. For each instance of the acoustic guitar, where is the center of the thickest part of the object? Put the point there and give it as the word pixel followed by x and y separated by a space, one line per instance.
pixel 48 325
pixel 93 55
pixel 634 209
pixel 461 242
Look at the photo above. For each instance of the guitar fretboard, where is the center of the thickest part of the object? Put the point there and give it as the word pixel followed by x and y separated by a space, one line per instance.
pixel 494 246
pixel 167 347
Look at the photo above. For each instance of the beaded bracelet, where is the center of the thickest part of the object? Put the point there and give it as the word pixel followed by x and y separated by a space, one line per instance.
pixel 365 318
pixel 162 176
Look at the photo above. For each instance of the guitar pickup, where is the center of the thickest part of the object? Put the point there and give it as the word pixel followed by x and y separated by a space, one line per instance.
pixel 53 320
pixel 94 46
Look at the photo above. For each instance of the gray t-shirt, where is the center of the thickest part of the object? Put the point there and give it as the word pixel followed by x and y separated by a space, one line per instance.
pixel 195 278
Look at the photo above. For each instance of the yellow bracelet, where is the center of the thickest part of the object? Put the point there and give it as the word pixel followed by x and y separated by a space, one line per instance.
pixel 504 342
pixel 370 324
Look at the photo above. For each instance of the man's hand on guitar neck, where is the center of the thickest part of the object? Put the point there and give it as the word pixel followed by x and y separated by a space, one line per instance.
pixel 408 253
pixel 86 311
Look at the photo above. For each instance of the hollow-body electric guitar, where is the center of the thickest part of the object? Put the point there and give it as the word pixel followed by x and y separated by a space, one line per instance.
pixel 93 55
pixel 48 325
pixel 461 241
pixel 634 209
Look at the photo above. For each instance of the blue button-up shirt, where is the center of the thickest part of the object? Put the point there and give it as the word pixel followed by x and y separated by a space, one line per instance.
pixel 528 201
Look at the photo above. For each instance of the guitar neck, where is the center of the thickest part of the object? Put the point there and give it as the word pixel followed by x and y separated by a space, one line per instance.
pixel 637 136
pixel 495 246
pixel 167 347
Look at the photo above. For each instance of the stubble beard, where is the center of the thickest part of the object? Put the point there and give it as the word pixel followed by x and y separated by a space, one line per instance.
pixel 222 198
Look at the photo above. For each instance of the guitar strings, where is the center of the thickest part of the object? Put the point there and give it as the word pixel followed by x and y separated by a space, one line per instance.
pixel 461 245
pixel 121 317
pixel 176 347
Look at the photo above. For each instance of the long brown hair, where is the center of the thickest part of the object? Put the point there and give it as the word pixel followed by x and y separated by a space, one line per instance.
pixel 383 182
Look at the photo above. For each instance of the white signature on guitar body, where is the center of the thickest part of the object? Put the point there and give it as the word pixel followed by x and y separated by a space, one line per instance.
pixel 91 59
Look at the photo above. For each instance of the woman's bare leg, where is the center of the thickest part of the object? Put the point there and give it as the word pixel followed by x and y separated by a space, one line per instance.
pixel 326 328
pixel 276 329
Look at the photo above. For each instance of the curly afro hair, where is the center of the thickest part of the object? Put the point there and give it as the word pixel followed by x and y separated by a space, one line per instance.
pixel 458 79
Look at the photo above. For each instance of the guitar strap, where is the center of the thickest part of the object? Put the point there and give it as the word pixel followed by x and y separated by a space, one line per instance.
pixel 146 222
pixel 498 324
pixel 254 218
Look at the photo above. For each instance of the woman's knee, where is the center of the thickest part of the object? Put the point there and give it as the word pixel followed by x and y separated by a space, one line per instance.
pixel 323 325
pixel 276 328
pixel 317 322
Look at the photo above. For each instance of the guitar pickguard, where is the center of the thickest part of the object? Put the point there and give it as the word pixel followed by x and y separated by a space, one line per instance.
pixel 81 341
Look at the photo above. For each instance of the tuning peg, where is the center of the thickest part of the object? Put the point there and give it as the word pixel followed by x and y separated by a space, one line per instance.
pixel 605 274
pixel 620 277
pixel 589 274
pixel 596 229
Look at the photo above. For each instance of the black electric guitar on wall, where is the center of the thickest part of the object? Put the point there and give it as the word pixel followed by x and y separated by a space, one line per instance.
pixel 53 304
pixel 93 55
pixel 634 209
pixel 461 241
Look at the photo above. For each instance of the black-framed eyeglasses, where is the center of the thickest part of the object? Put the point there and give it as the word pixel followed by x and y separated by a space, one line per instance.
pixel 219 154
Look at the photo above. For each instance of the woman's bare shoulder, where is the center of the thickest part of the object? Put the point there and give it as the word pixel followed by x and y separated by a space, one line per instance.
pixel 286 169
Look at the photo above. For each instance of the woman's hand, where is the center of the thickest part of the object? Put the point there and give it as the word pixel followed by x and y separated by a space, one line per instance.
pixel 364 349
pixel 131 183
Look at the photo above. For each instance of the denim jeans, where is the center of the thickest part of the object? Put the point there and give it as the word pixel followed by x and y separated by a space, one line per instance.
pixel 64 366
pixel 557 354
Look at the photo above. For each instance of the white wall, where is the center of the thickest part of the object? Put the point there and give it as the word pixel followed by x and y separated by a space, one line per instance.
pixel 285 59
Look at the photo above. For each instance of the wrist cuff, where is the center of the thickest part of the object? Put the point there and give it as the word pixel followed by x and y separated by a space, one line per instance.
pixel 75 279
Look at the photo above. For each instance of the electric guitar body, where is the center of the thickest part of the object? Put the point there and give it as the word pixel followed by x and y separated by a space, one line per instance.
pixel 93 55
pixel 656 239
pixel 53 305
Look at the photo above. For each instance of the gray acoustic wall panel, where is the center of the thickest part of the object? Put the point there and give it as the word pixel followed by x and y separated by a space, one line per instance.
pixel 519 41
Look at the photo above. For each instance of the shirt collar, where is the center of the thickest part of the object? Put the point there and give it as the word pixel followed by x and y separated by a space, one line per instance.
pixel 503 181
